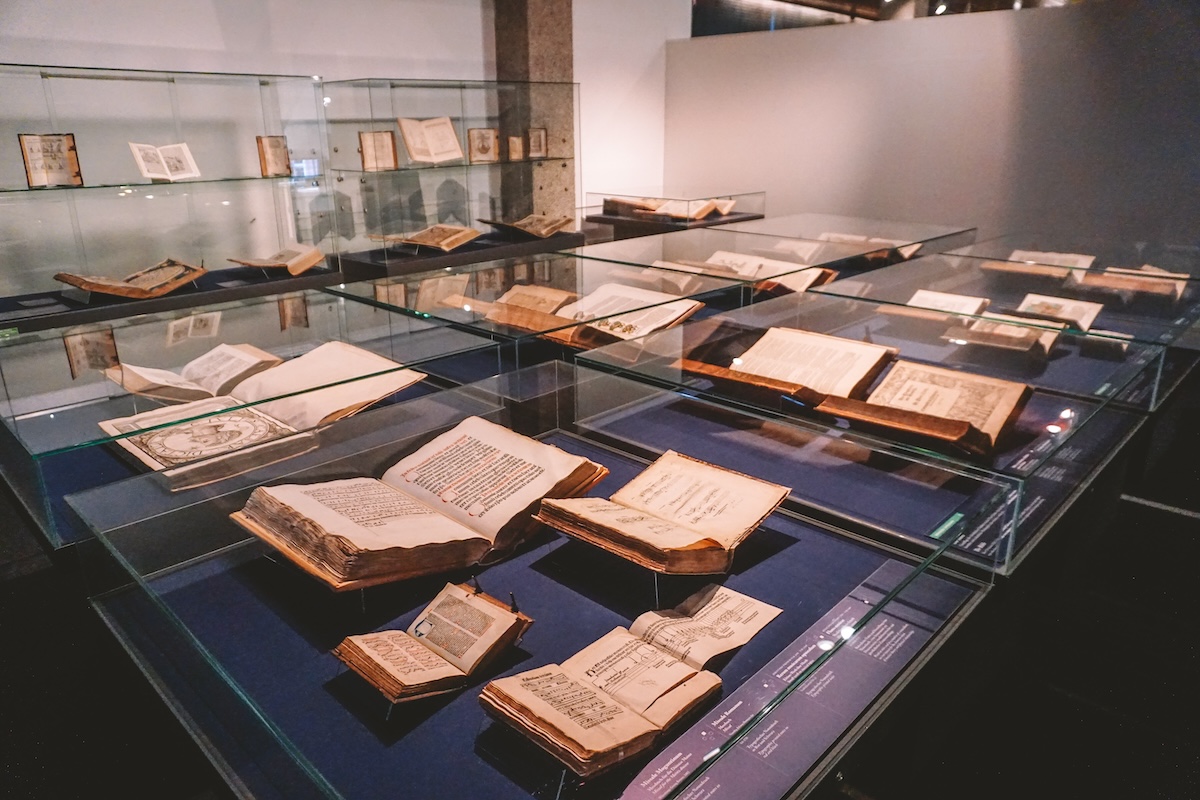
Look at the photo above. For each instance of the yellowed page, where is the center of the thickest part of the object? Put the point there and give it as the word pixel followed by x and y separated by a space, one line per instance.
pixel 461 626
pixel 404 658
pixel 716 503
pixel 481 474
pixel 712 621
pixel 628 669
pixel 826 364
pixel 635 524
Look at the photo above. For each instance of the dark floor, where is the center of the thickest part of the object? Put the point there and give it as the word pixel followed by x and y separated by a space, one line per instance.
pixel 1099 703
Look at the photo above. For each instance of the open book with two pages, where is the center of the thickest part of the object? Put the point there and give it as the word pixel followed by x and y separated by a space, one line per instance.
pixel 832 375
pixel 679 515
pixel 455 636
pixel 467 495
pixel 771 275
pixel 289 399
pixel 163 278
pixel 618 696
pixel 612 312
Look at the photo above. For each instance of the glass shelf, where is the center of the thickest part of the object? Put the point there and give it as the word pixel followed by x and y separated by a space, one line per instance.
pixel 1084 400
pixel 903 240
pixel 52 440
pixel 183 568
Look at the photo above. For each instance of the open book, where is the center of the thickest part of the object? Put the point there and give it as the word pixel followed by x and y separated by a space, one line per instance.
pixel 1041 263
pixel 327 383
pixel 814 361
pixel 680 515
pixel 456 634
pixel 1032 335
pixel 163 278
pixel 616 698
pixel 467 494
pixel 443 237
pixel 613 311
pixel 171 162
pixel 937 306
pixel 295 258
pixel 1080 313
pixel 214 373
pixel 51 159
pixel 962 409
pixel 430 141
pixel 539 225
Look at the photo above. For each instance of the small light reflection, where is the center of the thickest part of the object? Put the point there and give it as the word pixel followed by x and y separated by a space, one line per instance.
pixel 149 197
pixel 825 644
pixel 847 631
pixel 1067 414
pixel 326 101
pixel 737 362
pixel 958 341
pixel 941 9
pixel 1054 427
pixel 224 202
pixel 466 306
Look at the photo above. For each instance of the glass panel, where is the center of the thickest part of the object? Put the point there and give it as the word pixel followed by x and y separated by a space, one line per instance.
pixel 909 238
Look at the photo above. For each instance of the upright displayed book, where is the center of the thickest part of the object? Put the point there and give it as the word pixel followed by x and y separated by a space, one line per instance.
pixel 430 141
pixel 377 151
pixel 330 382
pixel 216 372
pixel 680 515
pixel 620 695
pixel 296 258
pixel 454 637
pixel 274 160
pixel 163 278
pixel 170 162
pixel 50 159
pixel 467 495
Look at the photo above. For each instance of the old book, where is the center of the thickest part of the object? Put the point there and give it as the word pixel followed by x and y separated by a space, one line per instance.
pixel 629 206
pixel 1079 313
pixel 516 148
pixel 377 151
pixel 443 237
pixel 274 161
pixel 468 494
pixel 1008 332
pixel 682 209
pixel 931 403
pixel 538 143
pixel 483 145
pixel 539 225
pixel 163 278
pixel 332 381
pixel 430 141
pixel 828 365
pixel 458 634
pixel 294 257
pixel 617 697
pixel 1128 283
pixel 680 515
pixel 546 299
pixel 798 281
pixel 170 162
pixel 216 372
pixel 937 306
pixel 773 275
pixel 50 159
pixel 627 312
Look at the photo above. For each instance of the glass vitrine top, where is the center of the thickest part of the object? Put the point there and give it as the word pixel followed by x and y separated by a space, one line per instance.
pixel 909 238
pixel 553 295
pixel 1087 254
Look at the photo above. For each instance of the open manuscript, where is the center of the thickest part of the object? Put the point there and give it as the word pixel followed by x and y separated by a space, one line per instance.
pixel 1129 284
pixel 295 258
pixel 163 278
pixel 541 226
pixel 465 495
pixel 680 515
pixel 327 383
pixel 618 696
pixel 443 237
pixel 430 141
pixel 661 207
pixel 456 635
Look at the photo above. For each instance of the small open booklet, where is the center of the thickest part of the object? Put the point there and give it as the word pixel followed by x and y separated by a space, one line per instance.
pixel 430 141
pixel 443 237
pixel 617 697
pixel 170 162
pixel 295 258
pixel 458 633
pixel 163 278
pixel 327 383
pixel 468 493
pixel 214 373
pixel 679 515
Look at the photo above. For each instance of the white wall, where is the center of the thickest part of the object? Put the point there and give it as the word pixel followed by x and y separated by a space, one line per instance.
pixel 449 39
pixel 1079 119
pixel 620 66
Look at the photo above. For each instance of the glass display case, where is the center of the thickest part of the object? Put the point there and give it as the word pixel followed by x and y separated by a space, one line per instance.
pixel 280 717
pixel 916 385
pixel 896 240
pixel 765 264
pixel 626 214
pixel 408 155
pixel 1073 252
pixel 86 405
pixel 551 305
pixel 95 182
